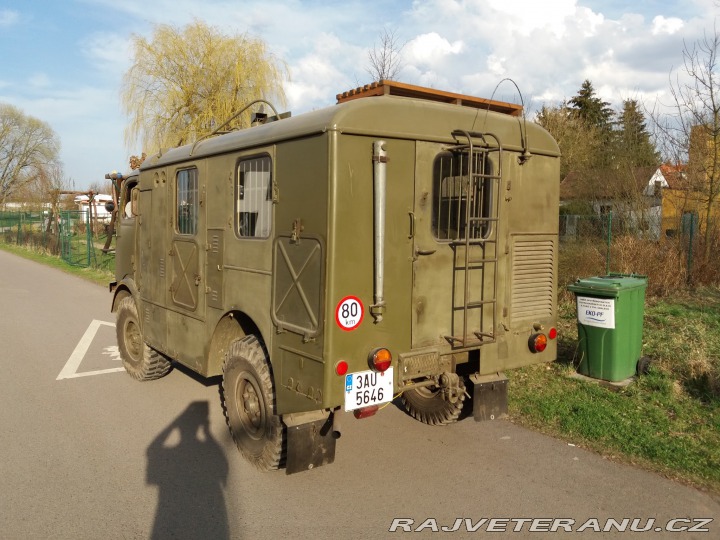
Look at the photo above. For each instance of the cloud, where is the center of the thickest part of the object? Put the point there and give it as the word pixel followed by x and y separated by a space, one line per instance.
pixel 662 25
pixel 8 17
pixel 430 49
pixel 467 46
pixel 111 53
pixel 524 17
pixel 323 72
pixel 39 81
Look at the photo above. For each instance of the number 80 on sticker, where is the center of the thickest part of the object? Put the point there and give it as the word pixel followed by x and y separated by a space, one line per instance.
pixel 349 313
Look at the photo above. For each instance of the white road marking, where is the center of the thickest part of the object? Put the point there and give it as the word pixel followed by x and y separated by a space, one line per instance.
pixel 70 371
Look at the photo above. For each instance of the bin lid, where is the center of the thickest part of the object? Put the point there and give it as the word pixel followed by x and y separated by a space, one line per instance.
pixel 610 285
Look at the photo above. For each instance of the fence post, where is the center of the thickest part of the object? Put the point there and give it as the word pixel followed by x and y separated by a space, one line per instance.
pixel 690 249
pixel 609 241
pixel 88 235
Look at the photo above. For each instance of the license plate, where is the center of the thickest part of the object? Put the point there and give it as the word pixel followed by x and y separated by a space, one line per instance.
pixel 366 388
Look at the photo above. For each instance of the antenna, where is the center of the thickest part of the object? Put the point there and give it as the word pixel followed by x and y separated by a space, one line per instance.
pixel 526 155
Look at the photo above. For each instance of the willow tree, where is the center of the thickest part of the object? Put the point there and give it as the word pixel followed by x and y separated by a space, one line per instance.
pixel 185 82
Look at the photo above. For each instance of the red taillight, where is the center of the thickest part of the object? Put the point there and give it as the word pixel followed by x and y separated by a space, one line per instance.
pixel 537 343
pixel 341 367
pixel 380 360
pixel 366 411
pixel 552 334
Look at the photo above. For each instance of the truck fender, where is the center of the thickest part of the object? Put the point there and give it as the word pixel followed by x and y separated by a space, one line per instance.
pixel 124 288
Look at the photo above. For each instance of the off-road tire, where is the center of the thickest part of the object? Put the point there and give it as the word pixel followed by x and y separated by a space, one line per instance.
pixel 140 361
pixel 430 407
pixel 249 404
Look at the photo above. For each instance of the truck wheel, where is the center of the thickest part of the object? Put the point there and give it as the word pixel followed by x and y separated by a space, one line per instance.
pixel 429 406
pixel 249 404
pixel 140 361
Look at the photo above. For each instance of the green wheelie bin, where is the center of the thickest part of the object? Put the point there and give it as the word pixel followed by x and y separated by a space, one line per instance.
pixel 610 313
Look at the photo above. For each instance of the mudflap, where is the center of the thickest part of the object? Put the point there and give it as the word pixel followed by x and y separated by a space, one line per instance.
pixel 489 396
pixel 310 441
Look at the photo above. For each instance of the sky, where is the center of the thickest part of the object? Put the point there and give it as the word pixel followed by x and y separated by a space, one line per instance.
pixel 63 61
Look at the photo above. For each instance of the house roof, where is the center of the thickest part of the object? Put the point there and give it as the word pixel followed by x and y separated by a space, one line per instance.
pixel 614 183
pixel 674 175
pixel 606 183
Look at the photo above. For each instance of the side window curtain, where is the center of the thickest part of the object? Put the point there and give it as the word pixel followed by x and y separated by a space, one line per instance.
pixel 253 198
pixel 187 201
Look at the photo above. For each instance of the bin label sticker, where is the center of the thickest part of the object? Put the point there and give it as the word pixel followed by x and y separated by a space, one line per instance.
pixel 598 312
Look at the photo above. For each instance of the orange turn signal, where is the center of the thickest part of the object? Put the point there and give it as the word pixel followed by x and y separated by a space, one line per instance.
pixel 537 343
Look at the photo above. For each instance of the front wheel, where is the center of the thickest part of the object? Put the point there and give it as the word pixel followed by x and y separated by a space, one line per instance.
pixel 249 404
pixel 434 406
pixel 140 361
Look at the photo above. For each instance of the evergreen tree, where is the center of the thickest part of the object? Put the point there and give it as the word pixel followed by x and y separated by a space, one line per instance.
pixel 590 108
pixel 596 114
pixel 632 139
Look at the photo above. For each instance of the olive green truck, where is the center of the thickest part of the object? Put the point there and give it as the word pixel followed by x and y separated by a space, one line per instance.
pixel 399 245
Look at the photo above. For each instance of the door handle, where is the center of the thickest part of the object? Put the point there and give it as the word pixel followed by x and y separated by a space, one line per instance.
pixel 419 251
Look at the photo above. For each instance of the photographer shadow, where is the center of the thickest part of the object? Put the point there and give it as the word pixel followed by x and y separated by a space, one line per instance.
pixel 190 469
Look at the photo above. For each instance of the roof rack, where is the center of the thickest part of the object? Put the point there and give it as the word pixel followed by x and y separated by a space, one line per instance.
pixel 392 88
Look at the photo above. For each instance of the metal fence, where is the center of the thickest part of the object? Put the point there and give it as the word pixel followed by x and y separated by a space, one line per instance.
pixel 70 234
pixel 673 254
pixel 648 244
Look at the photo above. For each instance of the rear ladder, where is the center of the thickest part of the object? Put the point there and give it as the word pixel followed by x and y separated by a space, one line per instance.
pixel 475 246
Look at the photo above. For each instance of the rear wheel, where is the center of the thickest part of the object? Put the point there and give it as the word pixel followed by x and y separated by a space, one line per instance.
pixel 433 405
pixel 140 361
pixel 249 404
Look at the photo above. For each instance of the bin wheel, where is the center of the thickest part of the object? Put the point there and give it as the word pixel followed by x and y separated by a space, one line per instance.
pixel 643 365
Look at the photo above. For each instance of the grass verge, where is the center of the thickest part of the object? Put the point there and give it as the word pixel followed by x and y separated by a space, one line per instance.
pixel 101 277
pixel 667 421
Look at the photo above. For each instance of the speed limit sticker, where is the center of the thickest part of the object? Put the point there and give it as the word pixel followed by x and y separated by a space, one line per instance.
pixel 349 313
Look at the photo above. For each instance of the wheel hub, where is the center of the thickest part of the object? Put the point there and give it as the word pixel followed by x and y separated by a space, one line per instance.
pixel 133 339
pixel 251 403
pixel 250 409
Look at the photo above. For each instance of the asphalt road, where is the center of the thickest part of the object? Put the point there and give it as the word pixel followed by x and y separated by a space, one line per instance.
pixel 87 452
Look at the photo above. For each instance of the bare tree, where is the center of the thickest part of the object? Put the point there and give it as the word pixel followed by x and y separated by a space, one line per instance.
pixel 101 187
pixel 28 147
pixel 385 59
pixel 691 131
pixel 579 141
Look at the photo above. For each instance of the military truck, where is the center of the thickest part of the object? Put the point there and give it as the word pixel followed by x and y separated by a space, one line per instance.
pixel 400 245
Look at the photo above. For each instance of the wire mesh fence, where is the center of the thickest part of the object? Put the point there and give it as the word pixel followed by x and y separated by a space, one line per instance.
pixel 70 234
pixel 674 253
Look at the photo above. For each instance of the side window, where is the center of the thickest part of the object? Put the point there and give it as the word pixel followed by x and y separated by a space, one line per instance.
pixel 455 193
pixel 129 207
pixel 187 201
pixel 253 198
